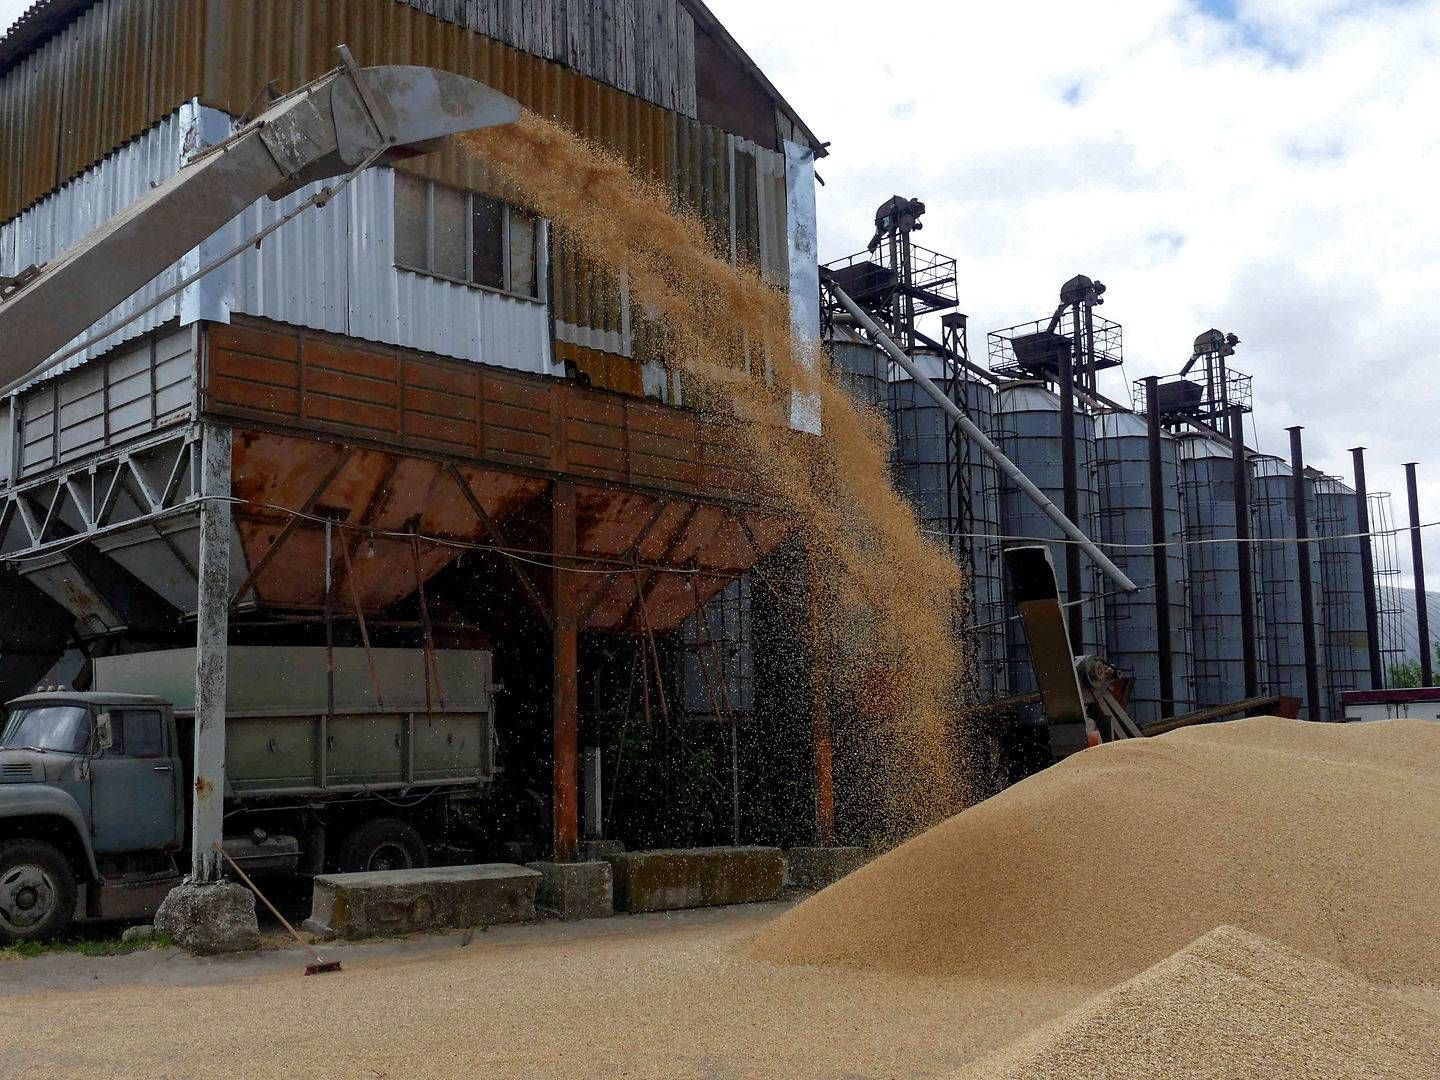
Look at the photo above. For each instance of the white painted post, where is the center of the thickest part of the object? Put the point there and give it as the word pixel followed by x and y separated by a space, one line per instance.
pixel 212 625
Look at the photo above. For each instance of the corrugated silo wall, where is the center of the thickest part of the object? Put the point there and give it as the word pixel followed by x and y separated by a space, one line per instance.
pixel 1027 430
pixel 1279 574
pixel 970 507
pixel 1342 586
pixel 1207 471
pixel 1131 624
pixel 862 370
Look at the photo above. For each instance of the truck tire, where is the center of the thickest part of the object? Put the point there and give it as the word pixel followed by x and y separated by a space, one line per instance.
pixel 382 844
pixel 37 891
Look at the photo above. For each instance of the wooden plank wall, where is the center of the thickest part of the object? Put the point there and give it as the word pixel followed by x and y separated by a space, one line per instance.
pixel 308 381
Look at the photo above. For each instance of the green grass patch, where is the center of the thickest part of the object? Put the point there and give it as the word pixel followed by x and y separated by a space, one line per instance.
pixel 28 950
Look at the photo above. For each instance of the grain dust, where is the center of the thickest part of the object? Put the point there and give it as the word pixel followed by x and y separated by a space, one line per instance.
pixel 1319 837
pixel 1230 1007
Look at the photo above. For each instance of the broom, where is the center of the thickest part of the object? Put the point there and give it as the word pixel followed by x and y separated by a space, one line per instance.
pixel 318 965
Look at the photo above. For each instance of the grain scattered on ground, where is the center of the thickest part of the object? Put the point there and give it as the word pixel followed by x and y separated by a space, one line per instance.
pixel 1232 1006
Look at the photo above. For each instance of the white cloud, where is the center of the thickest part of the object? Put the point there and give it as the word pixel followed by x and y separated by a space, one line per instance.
pixel 1273 175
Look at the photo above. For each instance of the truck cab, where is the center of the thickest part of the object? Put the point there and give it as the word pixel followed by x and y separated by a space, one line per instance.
pixel 91 808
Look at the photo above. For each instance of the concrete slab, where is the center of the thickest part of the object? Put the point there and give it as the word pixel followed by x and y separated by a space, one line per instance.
pixel 574 891
pixel 354 906
pixel 696 877
pixel 820 867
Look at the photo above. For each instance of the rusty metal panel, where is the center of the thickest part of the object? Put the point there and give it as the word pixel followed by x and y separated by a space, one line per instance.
pixel 117 69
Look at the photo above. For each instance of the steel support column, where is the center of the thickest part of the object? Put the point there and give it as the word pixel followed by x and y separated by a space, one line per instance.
pixel 1069 472
pixel 1240 475
pixel 1161 551
pixel 1367 571
pixel 820 725
pixel 566 689
pixel 212 628
pixel 1314 709
pixel 1417 553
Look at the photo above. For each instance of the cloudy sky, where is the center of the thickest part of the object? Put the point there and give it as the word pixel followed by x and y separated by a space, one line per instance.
pixel 1268 167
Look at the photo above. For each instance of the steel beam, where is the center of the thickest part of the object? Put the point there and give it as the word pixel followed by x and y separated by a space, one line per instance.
pixel 1314 708
pixel 1367 570
pixel 1161 554
pixel 212 625
pixel 1240 476
pixel 1417 553
pixel 566 687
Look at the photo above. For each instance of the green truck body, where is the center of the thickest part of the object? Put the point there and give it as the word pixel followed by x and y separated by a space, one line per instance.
pixel 355 773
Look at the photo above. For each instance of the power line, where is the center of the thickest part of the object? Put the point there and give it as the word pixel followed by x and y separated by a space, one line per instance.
pixel 1382 533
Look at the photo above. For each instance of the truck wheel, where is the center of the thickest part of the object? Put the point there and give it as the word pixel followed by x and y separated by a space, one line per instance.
pixel 37 891
pixel 382 844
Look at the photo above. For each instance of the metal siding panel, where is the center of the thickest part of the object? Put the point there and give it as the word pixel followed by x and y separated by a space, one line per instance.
pixel 63 218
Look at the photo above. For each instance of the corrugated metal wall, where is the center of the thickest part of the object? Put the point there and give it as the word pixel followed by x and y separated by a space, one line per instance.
pixel 54 223
pixel 127 64
pixel 102 81
pixel 644 47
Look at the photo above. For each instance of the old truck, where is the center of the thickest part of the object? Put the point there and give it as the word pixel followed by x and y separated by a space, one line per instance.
pixel 96 787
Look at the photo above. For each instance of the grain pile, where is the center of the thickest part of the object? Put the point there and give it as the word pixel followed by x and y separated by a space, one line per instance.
pixel 880 602
pixel 1230 1007
pixel 1320 837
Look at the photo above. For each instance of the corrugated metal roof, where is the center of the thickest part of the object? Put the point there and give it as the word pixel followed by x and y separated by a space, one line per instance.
pixel 45 18
pixel 37 24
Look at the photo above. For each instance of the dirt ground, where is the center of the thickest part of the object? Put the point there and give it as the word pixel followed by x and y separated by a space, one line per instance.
pixel 649 996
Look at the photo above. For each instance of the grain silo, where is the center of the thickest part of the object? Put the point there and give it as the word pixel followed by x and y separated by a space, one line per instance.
pixel 1279 573
pixel 1207 471
pixel 1124 520
pixel 861 367
pixel 955 491
pixel 1028 431
pixel 1346 643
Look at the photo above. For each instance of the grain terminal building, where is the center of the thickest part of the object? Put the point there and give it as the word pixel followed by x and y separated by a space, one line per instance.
pixel 418 357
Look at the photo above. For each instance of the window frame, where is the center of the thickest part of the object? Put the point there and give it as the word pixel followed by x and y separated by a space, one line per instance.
pixel 541 228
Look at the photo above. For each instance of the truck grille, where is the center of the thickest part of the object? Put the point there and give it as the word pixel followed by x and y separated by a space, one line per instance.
pixel 17 768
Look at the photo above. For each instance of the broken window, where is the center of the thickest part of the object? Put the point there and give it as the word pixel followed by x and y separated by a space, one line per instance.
pixel 466 237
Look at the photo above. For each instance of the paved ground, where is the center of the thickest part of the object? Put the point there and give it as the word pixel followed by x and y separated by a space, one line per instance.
pixel 648 996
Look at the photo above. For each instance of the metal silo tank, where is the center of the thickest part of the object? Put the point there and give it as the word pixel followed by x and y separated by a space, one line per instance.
pixel 1027 429
pixel 1278 568
pixel 955 491
pixel 861 368
pixel 1342 589
pixel 1132 634
pixel 1218 660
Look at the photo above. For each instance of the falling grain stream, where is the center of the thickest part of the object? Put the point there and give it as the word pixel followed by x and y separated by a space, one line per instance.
pixel 883 597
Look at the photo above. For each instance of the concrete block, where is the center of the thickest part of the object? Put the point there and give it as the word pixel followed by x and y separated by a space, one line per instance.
pixel 576 890
pixel 412 901
pixel 211 918
pixel 818 867
pixel 600 850
pixel 696 877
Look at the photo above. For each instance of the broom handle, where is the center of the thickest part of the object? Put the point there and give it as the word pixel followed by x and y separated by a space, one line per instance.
pixel 264 900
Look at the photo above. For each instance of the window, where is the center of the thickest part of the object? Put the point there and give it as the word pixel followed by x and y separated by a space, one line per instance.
pixel 137 733
pixel 462 236
pixel 65 729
